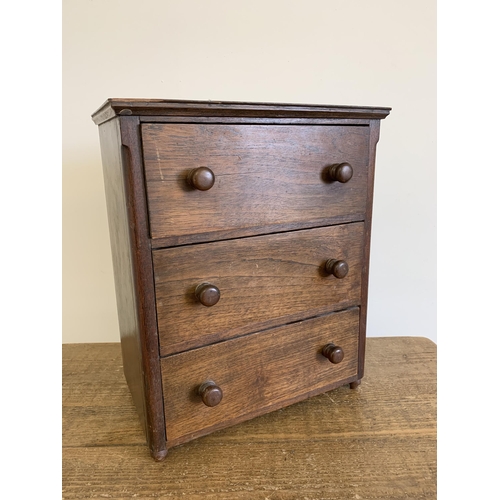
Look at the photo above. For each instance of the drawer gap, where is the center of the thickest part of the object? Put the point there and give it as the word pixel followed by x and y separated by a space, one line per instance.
pixel 329 313
pixel 158 244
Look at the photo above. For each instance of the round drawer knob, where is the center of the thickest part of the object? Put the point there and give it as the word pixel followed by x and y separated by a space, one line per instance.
pixel 338 268
pixel 341 172
pixel 210 393
pixel 201 178
pixel 333 353
pixel 207 294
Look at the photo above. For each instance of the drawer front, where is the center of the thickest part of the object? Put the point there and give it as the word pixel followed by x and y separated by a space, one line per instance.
pixel 256 373
pixel 267 178
pixel 263 281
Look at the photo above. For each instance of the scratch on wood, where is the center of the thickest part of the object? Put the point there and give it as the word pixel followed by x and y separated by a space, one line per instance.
pixel 159 161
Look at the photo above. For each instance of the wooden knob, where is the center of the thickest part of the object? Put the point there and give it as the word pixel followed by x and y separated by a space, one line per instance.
pixel 333 353
pixel 210 393
pixel 341 172
pixel 207 294
pixel 338 268
pixel 201 178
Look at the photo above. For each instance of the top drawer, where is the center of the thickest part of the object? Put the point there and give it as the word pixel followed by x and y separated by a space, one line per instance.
pixel 267 178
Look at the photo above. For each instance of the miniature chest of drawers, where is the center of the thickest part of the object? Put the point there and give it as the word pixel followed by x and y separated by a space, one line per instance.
pixel 240 236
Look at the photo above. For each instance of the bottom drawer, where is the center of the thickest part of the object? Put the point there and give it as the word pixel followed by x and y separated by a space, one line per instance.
pixel 256 374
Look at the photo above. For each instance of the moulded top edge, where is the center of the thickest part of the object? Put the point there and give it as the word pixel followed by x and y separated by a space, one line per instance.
pixel 165 107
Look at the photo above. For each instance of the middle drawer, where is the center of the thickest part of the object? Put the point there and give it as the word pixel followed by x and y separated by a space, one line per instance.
pixel 262 281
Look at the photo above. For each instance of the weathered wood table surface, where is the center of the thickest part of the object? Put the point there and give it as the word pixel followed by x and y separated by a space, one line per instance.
pixel 375 442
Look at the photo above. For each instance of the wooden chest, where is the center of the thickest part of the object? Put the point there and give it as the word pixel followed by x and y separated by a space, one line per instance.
pixel 240 236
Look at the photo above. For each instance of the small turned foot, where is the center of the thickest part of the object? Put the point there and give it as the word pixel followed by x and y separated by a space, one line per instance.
pixel 159 456
pixel 353 385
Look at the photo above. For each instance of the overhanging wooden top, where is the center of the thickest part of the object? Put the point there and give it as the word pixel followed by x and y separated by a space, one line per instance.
pixel 165 107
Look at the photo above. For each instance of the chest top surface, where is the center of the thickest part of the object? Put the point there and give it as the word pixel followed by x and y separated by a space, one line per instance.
pixel 165 107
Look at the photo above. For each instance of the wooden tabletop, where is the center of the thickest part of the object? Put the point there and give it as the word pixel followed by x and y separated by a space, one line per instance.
pixel 375 442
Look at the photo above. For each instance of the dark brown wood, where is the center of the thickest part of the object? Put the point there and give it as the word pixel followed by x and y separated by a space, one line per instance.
pixel 166 107
pixel 355 384
pixel 133 271
pixel 256 372
pixel 207 294
pixel 210 393
pixel 378 442
pixel 266 176
pixel 250 231
pixel 341 172
pixel 236 228
pixel 201 178
pixel 334 353
pixel 263 281
pixel 339 268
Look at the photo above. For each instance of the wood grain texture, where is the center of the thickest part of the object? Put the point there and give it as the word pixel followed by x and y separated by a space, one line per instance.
pixel 170 107
pixel 376 442
pixel 133 272
pixel 256 373
pixel 263 281
pixel 264 176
